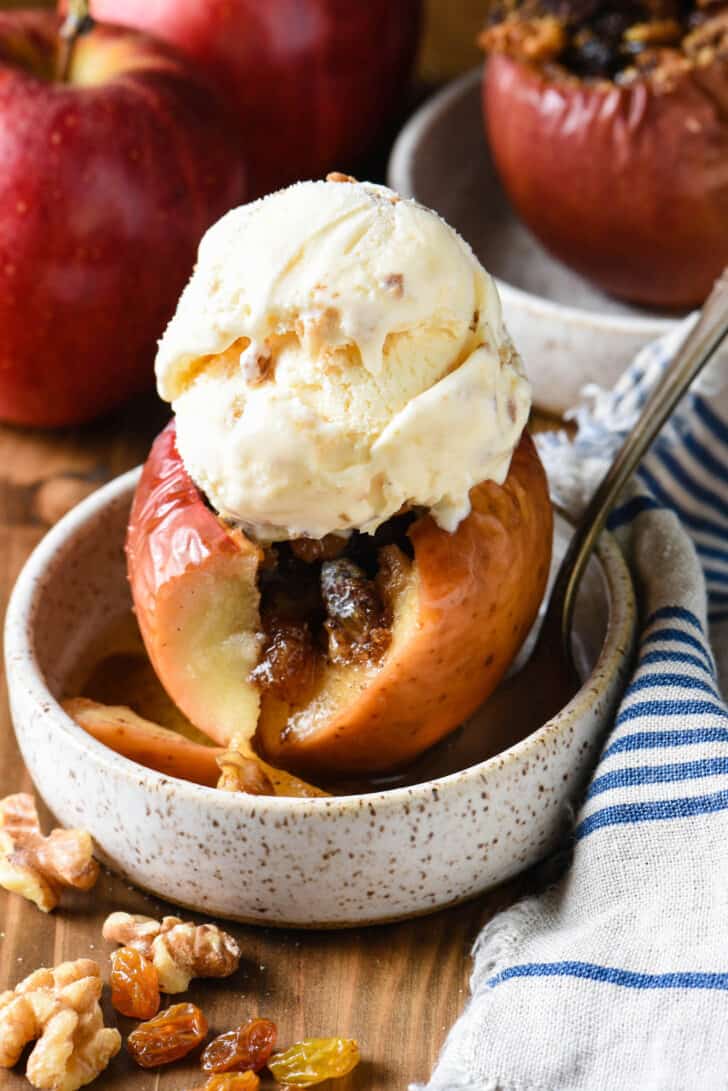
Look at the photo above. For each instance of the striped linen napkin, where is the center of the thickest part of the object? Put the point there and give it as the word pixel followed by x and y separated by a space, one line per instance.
pixel 616 978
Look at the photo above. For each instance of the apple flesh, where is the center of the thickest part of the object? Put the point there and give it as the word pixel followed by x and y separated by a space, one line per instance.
pixel 108 181
pixel 461 611
pixel 311 82
pixel 156 747
pixel 625 183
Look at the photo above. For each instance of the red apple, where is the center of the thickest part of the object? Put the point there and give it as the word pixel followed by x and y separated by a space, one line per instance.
pixel 627 183
pixel 460 609
pixel 311 81
pixel 109 178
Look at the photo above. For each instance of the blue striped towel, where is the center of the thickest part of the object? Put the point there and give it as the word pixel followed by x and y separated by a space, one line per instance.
pixel 616 978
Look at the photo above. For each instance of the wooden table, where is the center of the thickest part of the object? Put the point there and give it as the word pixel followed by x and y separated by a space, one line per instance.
pixel 397 988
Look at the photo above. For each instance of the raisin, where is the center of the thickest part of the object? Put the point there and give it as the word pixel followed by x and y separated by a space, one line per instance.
pixel 394 570
pixel 315 1060
pixel 172 1034
pixel 348 595
pixel 311 550
pixel 247 1047
pixel 590 55
pixel 356 621
pixel 134 984
pixel 289 665
pixel 232 1081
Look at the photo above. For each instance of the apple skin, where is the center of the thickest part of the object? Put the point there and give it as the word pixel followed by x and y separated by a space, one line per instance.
pixel 311 81
pixel 627 185
pixel 475 594
pixel 108 182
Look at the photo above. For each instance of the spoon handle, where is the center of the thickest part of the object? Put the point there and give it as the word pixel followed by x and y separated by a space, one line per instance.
pixel 700 345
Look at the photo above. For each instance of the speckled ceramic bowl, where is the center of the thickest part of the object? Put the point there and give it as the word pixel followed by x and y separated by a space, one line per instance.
pixel 328 862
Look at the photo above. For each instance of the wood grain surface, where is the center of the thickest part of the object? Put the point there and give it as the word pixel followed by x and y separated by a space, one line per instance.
pixel 396 988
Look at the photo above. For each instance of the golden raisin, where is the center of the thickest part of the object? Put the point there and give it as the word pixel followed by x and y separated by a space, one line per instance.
pixel 170 1035
pixel 247 1047
pixel 315 1060
pixel 232 1081
pixel 134 984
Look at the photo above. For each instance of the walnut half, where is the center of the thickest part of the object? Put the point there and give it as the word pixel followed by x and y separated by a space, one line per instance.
pixel 59 1010
pixel 38 867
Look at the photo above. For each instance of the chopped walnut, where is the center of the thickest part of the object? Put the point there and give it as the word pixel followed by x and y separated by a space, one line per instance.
pixel 394 283
pixel 709 41
pixel 38 867
pixel 257 364
pixel 648 39
pixel 657 32
pixel 538 40
pixel 180 950
pixel 320 328
pixel 337 176
pixel 58 1009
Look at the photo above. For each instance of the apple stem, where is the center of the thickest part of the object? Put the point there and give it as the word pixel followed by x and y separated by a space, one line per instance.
pixel 78 21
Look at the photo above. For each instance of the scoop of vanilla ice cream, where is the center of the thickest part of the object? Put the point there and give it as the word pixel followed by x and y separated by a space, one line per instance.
pixel 338 353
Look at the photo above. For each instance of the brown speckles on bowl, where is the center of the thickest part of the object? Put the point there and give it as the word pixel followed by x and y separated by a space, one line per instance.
pixel 308 862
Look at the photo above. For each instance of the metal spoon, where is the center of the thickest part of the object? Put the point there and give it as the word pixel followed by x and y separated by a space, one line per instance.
pixel 702 343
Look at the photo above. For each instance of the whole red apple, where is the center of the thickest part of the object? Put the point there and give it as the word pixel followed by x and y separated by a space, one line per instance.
pixel 311 81
pixel 109 178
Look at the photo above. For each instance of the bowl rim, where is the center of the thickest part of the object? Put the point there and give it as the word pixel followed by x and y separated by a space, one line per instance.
pixel 20 653
pixel 399 178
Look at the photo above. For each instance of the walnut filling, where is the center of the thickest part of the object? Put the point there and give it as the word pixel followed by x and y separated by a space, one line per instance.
pixel 327 602
pixel 594 39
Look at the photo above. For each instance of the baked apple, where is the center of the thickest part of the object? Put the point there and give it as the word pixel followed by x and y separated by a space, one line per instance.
pixel 340 655
pixel 608 124
pixel 337 547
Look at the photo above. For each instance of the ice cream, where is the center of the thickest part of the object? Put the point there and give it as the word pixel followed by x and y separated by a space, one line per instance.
pixel 339 353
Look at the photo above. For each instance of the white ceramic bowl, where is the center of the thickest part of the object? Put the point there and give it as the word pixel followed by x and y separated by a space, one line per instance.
pixel 568 332
pixel 328 862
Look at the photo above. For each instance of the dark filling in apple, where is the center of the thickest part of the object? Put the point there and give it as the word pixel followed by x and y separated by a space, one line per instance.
pixel 594 39
pixel 327 601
